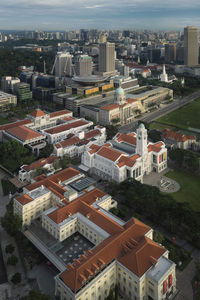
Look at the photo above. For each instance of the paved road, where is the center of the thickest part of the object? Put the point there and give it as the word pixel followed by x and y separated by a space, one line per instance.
pixel 163 110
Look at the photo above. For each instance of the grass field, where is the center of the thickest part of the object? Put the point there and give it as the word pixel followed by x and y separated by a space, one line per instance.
pixel 184 117
pixel 190 188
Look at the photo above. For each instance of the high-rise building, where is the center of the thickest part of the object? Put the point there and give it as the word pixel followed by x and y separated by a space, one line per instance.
pixel 170 52
pixel 8 83
pixel 83 65
pixel 191 46
pixel 63 64
pixel 107 57
pixel 103 38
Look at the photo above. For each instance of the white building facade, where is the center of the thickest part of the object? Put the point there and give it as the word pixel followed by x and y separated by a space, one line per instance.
pixel 112 164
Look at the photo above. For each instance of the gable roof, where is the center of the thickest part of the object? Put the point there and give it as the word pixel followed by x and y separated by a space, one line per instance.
pixel 24 133
pixel 127 138
pixel 66 127
pixel 155 147
pixel 59 113
pixel 40 163
pixel 109 153
pixel 38 113
pixel 177 136
pixel 14 124
pixel 110 107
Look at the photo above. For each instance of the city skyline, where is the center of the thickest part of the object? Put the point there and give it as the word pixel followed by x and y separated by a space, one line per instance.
pixel 127 14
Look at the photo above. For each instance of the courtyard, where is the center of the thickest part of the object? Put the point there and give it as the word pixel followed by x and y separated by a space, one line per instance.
pixel 73 247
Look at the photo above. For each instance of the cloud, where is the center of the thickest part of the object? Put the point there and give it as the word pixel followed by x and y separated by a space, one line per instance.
pixel 59 14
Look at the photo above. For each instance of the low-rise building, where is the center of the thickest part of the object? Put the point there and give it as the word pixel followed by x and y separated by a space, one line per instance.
pixel 6 100
pixel 77 143
pixel 26 172
pixel 123 253
pixel 179 140
pixel 127 156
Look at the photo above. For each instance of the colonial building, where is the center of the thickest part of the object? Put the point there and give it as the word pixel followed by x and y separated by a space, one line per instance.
pixel 127 156
pixel 26 172
pixel 123 253
pixel 174 139
pixel 77 143
pixel 41 128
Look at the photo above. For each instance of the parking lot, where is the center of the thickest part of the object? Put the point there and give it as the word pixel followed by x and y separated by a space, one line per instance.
pixel 73 247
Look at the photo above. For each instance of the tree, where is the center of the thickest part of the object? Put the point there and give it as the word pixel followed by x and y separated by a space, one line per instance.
pixel 12 260
pixel 11 222
pixel 16 278
pixel 10 248
pixel 111 131
pixel 46 151
pixel 40 171
pixel 33 295
pixel 158 237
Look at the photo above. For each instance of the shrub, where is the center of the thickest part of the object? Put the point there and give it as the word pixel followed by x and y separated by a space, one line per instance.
pixel 10 248
pixel 12 260
pixel 16 278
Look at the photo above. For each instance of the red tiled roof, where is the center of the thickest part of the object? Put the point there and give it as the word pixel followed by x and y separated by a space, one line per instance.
pixel 61 176
pixel 68 142
pixel 177 136
pixel 92 133
pixel 127 161
pixel 14 124
pixel 24 199
pixel 109 153
pixel 127 138
pixel 110 107
pixel 59 113
pixel 131 100
pixel 128 246
pixel 155 147
pixel 66 127
pixel 40 163
pixel 24 133
pixel 38 113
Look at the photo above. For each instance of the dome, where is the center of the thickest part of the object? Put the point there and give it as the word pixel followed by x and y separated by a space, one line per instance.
pixel 119 91
pixel 141 126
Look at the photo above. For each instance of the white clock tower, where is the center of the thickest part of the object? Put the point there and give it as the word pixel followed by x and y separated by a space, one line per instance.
pixel 141 146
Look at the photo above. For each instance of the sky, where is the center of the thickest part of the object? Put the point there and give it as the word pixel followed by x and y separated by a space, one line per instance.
pixel 99 14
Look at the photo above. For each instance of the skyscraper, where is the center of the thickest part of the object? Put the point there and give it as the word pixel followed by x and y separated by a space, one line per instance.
pixel 170 52
pixel 191 46
pixel 107 58
pixel 63 64
pixel 83 65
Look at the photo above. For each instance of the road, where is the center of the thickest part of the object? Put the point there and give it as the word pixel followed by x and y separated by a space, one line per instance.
pixel 165 109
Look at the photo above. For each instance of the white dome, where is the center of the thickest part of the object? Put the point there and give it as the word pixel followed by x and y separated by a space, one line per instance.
pixel 119 91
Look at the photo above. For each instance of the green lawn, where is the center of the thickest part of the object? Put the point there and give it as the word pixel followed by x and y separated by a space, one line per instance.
pixel 190 188
pixel 184 117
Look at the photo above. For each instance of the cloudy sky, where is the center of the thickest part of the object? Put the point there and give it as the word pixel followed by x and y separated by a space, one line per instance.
pixel 119 14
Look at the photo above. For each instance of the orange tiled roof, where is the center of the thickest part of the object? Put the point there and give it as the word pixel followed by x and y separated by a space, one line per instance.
pixel 24 199
pixel 155 147
pixel 131 100
pixel 40 163
pixel 24 133
pixel 110 107
pixel 38 113
pixel 68 142
pixel 66 127
pixel 177 136
pixel 14 124
pixel 127 161
pixel 92 133
pixel 127 138
pixel 128 246
pixel 109 153
pixel 59 113
pixel 61 176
